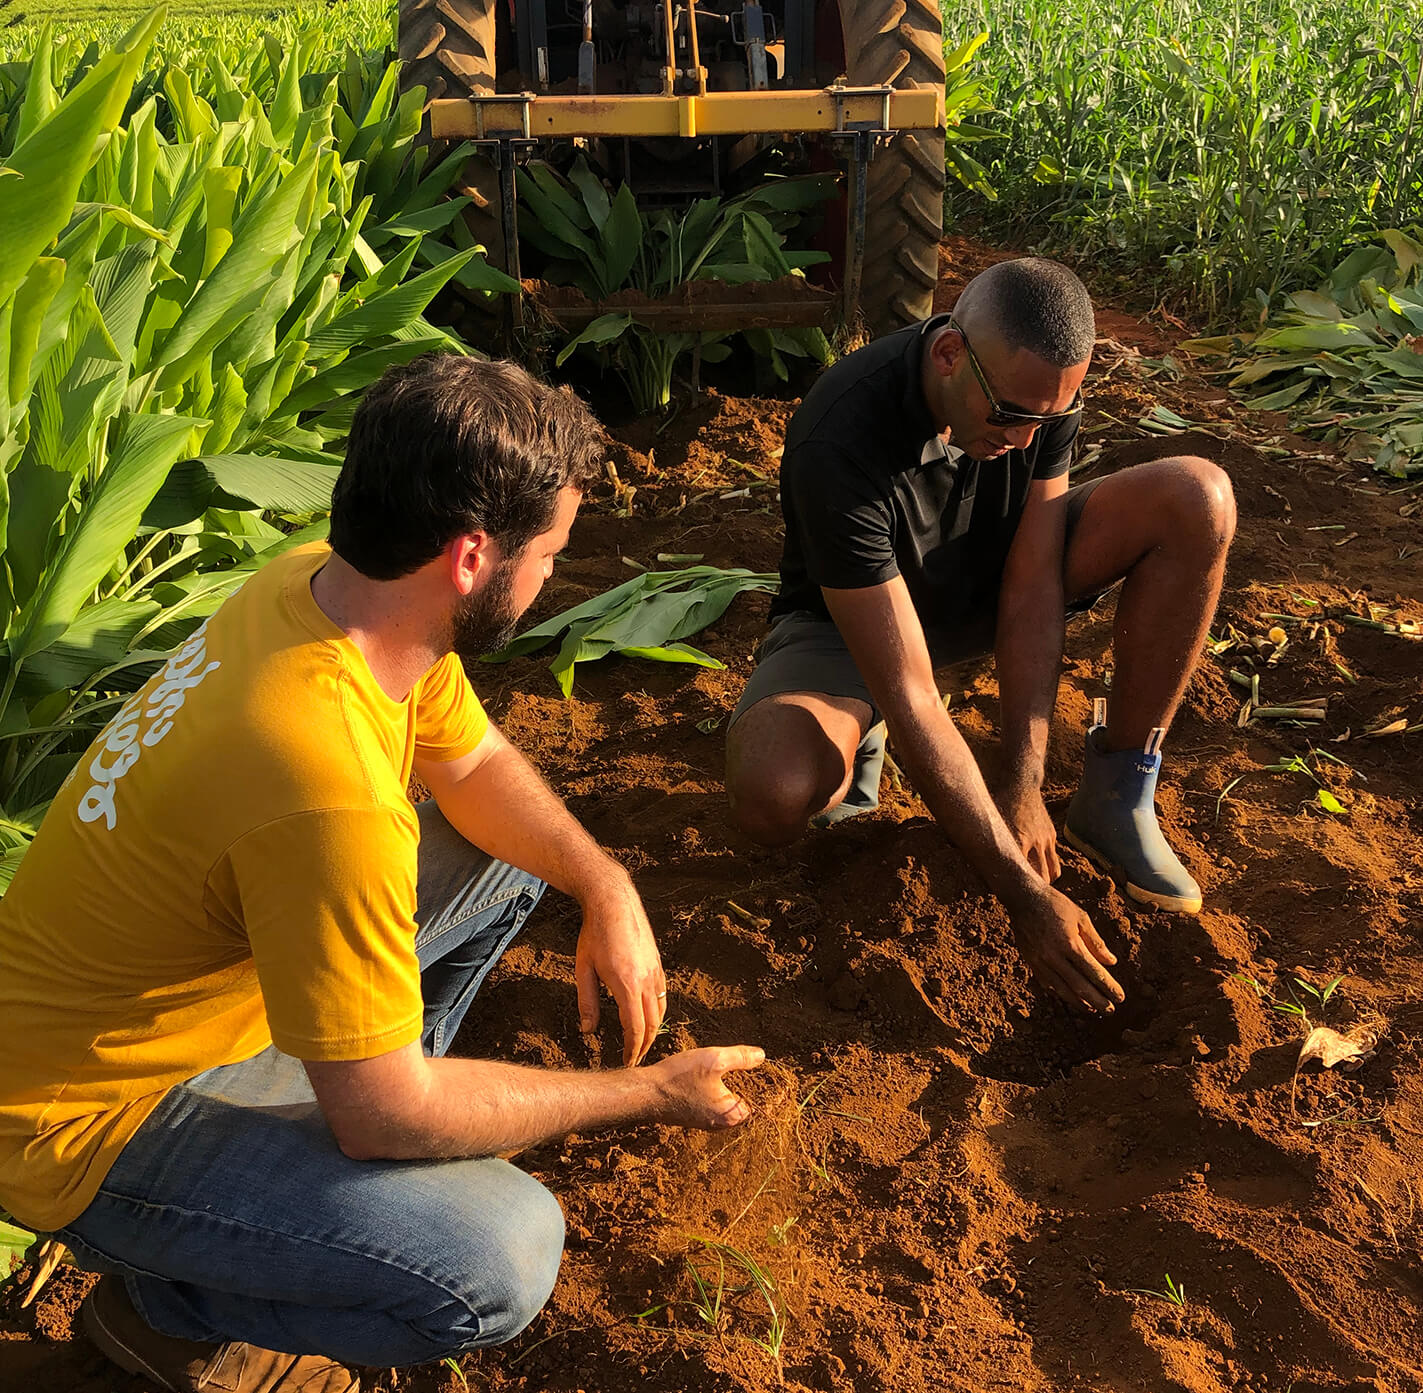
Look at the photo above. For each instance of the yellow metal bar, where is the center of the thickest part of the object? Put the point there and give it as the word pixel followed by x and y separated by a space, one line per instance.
pixel 717 113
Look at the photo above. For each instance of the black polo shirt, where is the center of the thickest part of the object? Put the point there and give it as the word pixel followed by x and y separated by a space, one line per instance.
pixel 869 491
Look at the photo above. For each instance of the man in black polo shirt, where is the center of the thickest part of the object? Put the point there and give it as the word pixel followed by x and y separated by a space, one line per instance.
pixel 929 520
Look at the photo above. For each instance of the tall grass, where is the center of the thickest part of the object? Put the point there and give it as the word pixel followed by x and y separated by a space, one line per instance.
pixel 1222 147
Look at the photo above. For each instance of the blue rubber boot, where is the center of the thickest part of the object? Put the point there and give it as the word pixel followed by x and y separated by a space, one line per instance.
pixel 863 793
pixel 1112 821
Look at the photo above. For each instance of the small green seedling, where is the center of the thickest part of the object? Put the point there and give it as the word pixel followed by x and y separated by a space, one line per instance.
pixel 1175 1293
pixel 780 1232
pixel 1293 1007
pixel 1300 764
pixel 1320 994
pixel 711 1294
pixel 452 1364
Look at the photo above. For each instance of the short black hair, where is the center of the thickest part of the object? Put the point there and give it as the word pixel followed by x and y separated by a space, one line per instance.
pixel 1035 304
pixel 448 444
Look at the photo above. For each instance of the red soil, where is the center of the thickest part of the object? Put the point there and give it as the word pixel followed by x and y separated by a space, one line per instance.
pixel 953 1183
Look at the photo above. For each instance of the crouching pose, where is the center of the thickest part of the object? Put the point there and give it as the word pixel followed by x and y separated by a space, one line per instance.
pixel 236 955
pixel 929 520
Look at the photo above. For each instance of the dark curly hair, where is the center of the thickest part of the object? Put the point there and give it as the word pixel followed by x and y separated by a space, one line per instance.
pixel 448 444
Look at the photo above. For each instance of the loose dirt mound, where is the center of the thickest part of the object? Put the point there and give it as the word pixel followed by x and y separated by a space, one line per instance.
pixel 950 1182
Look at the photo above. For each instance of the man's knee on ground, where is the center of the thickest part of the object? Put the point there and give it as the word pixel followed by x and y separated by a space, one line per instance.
pixel 521 1273
pixel 510 1274
pixel 1199 500
pixel 774 794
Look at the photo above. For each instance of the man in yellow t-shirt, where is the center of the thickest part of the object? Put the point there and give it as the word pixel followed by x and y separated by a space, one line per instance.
pixel 236 955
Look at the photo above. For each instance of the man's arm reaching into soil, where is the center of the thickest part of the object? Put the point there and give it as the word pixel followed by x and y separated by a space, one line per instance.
pixel 1028 651
pixel 496 799
pixel 884 636
pixel 405 1106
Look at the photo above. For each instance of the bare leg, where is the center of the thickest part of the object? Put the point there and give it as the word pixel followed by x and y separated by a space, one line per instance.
pixel 790 757
pixel 1165 527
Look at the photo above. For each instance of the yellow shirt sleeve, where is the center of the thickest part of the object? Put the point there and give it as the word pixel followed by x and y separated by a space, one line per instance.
pixel 449 720
pixel 328 901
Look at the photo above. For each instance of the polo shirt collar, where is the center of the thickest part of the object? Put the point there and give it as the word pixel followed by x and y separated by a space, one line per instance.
pixel 916 409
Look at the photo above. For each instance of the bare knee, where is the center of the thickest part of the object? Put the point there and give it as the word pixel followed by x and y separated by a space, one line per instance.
pixel 1199 502
pixel 781 769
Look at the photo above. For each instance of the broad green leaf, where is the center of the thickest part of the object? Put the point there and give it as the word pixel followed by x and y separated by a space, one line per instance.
pixel 53 158
pixel 220 186
pixel 98 640
pixel 1407 252
pixel 621 237
pixel 961 56
pixel 31 303
pixel 1322 335
pixel 646 616
pixel 474 274
pixel 673 653
pixel 1285 397
pixel 38 496
pixel 792 195
pixel 125 218
pixel 389 310
pixel 595 196
pixel 557 219
pixel 40 96
pixel 274 485
pixel 109 519
pixel 263 233
pixel 604 329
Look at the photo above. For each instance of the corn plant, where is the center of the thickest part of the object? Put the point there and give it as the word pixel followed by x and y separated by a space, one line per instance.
pixel 602 244
pixel 189 308
pixel 1223 147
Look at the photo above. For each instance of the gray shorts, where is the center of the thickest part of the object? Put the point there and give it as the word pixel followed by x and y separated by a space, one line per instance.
pixel 804 651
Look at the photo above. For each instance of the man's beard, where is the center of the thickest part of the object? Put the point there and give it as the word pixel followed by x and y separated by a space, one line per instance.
pixel 486 620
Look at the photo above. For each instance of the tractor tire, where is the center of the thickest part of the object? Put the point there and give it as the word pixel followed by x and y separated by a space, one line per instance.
pixel 447 46
pixel 899 43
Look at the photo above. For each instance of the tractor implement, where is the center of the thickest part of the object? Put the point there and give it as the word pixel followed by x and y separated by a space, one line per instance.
pixel 629 82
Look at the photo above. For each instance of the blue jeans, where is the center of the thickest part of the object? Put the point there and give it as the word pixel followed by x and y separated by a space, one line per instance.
pixel 233 1215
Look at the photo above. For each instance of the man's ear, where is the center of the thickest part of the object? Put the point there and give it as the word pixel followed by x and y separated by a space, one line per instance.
pixel 471 557
pixel 945 350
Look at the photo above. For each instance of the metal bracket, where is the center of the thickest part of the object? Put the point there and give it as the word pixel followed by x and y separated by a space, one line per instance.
pixel 490 107
pixel 842 95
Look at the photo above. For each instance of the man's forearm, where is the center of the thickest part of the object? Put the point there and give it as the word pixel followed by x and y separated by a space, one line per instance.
pixel 1028 653
pixel 947 777
pixel 476 1107
pixel 510 812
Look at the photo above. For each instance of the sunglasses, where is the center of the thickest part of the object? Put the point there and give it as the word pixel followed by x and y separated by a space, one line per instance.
pixel 1005 413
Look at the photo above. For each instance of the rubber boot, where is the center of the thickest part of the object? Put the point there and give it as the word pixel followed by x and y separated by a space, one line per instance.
pixel 1112 821
pixel 863 793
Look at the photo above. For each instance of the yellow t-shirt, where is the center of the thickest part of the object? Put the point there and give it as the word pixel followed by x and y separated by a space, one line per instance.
pixel 231 864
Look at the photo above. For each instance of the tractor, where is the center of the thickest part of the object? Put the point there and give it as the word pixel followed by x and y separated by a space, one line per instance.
pixel 686 99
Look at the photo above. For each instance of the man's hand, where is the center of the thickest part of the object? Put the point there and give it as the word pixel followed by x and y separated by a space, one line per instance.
pixel 693 1091
pixel 616 948
pixel 1066 954
pixel 1030 822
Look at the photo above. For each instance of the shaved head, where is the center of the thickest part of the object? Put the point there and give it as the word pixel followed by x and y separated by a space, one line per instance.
pixel 1031 304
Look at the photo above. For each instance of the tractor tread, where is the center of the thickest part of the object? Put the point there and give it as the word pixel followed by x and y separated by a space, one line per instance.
pixel 447 46
pixel 899 41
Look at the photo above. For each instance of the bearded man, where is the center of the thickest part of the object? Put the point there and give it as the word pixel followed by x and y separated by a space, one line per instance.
pixel 236 955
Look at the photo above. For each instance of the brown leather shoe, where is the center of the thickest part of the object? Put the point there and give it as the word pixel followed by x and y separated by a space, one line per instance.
pixel 185 1366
